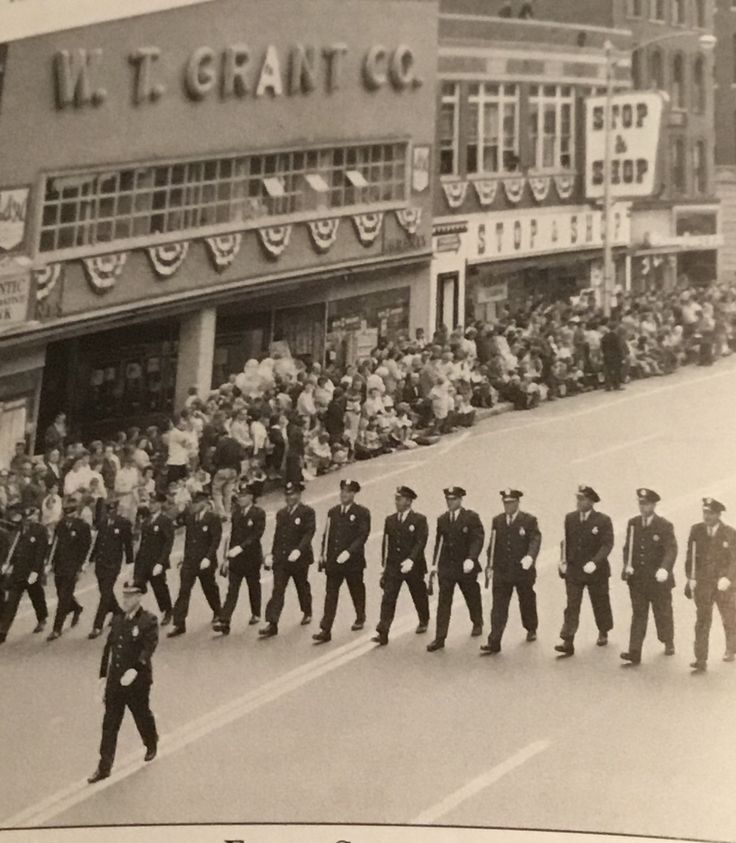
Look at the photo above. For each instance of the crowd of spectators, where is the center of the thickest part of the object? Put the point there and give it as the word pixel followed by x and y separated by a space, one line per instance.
pixel 280 419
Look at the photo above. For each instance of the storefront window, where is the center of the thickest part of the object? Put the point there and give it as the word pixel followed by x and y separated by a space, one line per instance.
pixel 551 121
pixel 448 128
pixel 493 135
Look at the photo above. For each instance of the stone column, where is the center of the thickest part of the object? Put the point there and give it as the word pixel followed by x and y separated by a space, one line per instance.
pixel 196 354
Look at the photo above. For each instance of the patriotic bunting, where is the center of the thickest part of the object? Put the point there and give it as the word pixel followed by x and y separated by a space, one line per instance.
pixel 409 219
pixel 565 185
pixel 455 192
pixel 275 239
pixel 223 249
pixel 368 226
pixel 540 186
pixel 166 259
pixel 486 190
pixel 46 279
pixel 324 233
pixel 514 188
pixel 102 272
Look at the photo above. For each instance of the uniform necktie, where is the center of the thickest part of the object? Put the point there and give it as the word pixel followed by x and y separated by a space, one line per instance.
pixel 453 516
pixel 711 531
pixel 344 510
pixel 509 520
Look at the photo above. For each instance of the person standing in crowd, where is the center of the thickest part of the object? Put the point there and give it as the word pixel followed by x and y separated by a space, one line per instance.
pixel 405 535
pixel 710 567
pixel 56 433
pixel 343 557
pixel 24 569
pixel 290 557
pixel 458 545
pixel 113 545
pixel 203 533
pixel 613 351
pixel 226 464
pixel 512 556
pixel 245 556
pixel 182 448
pixel 153 558
pixel 584 564
pixel 294 449
pixel 126 673
pixel 71 544
pixel 650 552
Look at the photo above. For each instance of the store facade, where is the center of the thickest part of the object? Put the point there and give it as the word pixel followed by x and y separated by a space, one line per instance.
pixel 199 190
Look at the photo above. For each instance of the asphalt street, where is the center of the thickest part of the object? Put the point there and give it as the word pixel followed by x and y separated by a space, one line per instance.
pixel 285 731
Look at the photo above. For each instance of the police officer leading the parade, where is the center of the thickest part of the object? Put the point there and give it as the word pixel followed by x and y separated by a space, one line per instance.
pixel 343 557
pixel 126 673
pixel 458 544
pixel 405 535
pixel 584 565
pixel 650 552
pixel 512 555
pixel 710 567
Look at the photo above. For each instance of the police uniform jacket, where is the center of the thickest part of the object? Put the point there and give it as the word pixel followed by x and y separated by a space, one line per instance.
pixel 130 645
pixel 649 548
pixel 5 543
pixel 588 541
pixel 29 553
pixel 157 539
pixel 403 540
pixel 346 531
pixel 294 531
pixel 246 533
pixel 715 556
pixel 113 543
pixel 512 543
pixel 72 541
pixel 202 537
pixel 457 541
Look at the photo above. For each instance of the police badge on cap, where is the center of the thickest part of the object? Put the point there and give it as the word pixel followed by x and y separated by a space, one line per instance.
pixel 647 496
pixel 350 485
pixel 511 495
pixel 406 492
pixel 292 488
pixel 712 505
pixel 454 492
pixel 134 588
pixel 588 492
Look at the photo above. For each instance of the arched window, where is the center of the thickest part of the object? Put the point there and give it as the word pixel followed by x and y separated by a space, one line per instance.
pixel 636 69
pixel 656 70
pixel 678 81
pixel 699 85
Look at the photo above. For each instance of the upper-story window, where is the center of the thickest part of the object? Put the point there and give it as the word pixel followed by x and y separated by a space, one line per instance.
pixel 700 14
pixel 636 69
pixel 449 124
pixel 678 166
pixel 678 12
pixel 493 129
pixel 678 81
pixel 700 167
pixel 656 70
pixel 659 10
pixel 635 8
pixel 551 127
pixel 699 92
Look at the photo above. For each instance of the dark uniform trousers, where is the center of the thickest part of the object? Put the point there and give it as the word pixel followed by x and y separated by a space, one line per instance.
pixel 106 579
pixel 234 582
pixel 66 601
pixel 294 531
pixel 29 552
pixel 660 599
pixel 502 594
pixel 201 541
pixel 189 576
pixel 160 589
pixel 12 599
pixel 392 586
pixel 113 545
pixel 706 594
pixel 586 541
pixel 459 537
pixel 247 531
pixel 136 698
pixel 348 529
pixel 72 541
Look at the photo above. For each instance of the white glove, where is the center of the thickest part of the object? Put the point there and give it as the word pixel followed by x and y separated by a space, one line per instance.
pixel 527 562
pixel 589 567
pixel 406 566
pixel 32 578
pixel 563 568
pixel 4 570
pixel 692 584
pixel 158 569
pixel 128 678
pixel 268 562
pixel 234 551
pixel 661 575
pixel 343 557
pixel 468 566
pixel 724 583
pixel 295 555
pixel 204 564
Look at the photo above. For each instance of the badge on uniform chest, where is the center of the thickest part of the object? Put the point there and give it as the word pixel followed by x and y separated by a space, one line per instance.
pixel 522 531
pixel 116 531
pixel 352 517
pixel 205 529
pixel 249 523
pixel 465 529
pixel 155 529
pixel 655 538
pixel 297 521
pixel 135 632
pixel 594 531
pixel 411 528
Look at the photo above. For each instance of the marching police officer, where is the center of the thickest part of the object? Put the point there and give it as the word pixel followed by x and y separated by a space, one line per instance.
pixel 127 674
pixel 405 535
pixel 153 558
pixel 72 541
pixel 290 557
pixel 649 559
pixel 245 556
pixel 584 564
pixel 458 544
pixel 512 556
pixel 343 557
pixel 203 533
pixel 710 566
pixel 114 543
pixel 24 569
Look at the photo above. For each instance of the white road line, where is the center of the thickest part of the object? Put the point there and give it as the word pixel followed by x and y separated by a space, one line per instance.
pixel 479 784
pixel 615 448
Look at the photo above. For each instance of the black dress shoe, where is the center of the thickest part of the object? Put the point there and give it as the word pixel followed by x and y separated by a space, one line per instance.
pixel 435 645
pixel 357 626
pixel 268 631
pixel 76 615
pixel 632 658
pixel 699 667
pixel 94 634
pixel 151 752
pixel 222 628
pixel 40 626
pixel 602 640
pixel 175 632
pixel 166 619
pixel 321 637
pixel 490 649
pixel 477 631
pixel 98 776
pixel 215 620
pixel 531 636
pixel 566 648
pixel 54 635
pixel 306 620
pixel 381 639
pixel 3 636
pixel 669 649
pixel 421 629
pixel 254 619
